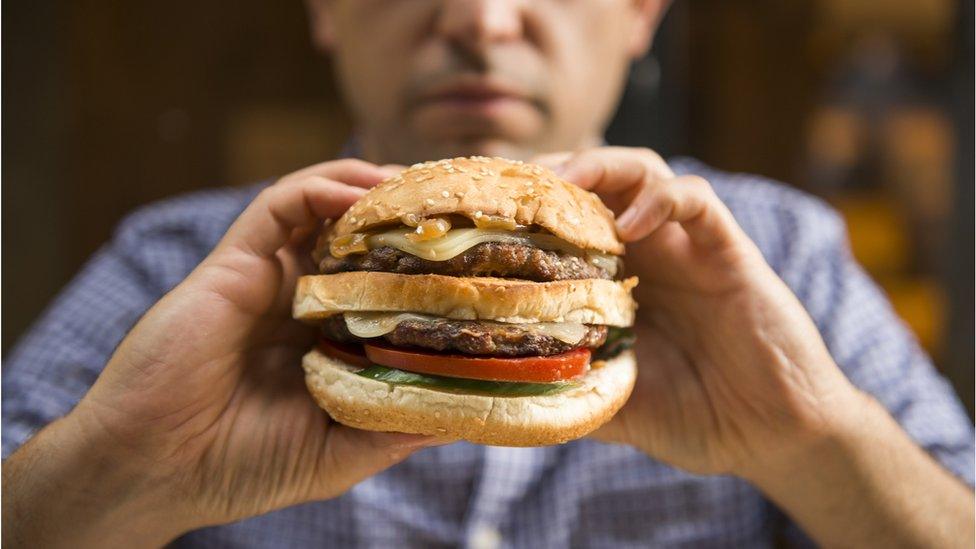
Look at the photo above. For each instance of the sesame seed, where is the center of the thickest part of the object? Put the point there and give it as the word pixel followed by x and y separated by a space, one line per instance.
pixel 478 214
pixel 429 202
pixel 476 177
pixel 445 194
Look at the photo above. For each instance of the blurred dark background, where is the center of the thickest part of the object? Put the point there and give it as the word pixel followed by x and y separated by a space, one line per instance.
pixel 109 105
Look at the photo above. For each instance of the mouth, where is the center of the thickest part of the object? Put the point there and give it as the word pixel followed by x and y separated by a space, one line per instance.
pixel 474 96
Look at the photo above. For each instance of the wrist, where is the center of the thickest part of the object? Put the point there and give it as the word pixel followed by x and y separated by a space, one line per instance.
pixel 69 486
pixel 865 482
pixel 831 439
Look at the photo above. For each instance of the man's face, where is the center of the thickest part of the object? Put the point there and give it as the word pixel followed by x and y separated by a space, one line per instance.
pixel 432 79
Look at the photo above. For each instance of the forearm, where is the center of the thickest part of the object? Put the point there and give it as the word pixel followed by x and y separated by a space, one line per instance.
pixel 62 489
pixel 871 485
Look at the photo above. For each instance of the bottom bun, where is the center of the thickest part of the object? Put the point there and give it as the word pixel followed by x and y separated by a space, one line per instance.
pixel 374 405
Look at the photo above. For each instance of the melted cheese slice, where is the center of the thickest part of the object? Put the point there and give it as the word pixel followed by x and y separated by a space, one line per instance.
pixel 376 324
pixel 457 241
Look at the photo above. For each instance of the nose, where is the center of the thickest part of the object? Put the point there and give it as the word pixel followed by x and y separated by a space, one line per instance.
pixel 475 24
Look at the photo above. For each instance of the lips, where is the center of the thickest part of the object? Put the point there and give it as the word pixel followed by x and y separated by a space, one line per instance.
pixel 472 95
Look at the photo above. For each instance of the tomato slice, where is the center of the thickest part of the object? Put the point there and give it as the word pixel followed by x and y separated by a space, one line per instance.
pixel 349 353
pixel 538 369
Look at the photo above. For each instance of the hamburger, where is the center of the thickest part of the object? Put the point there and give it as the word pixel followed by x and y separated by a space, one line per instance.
pixel 472 298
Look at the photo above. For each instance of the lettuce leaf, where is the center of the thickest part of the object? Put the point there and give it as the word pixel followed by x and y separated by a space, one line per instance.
pixel 465 386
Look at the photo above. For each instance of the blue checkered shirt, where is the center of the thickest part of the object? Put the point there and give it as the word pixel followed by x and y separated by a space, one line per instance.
pixel 579 494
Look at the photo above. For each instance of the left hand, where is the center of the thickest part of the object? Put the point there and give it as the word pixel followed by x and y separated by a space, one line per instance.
pixel 201 416
pixel 733 374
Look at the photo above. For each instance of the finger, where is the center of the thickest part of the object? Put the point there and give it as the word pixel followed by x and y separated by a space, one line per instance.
pixel 279 210
pixel 608 433
pixel 689 201
pixel 613 169
pixel 350 171
pixel 294 262
pixel 353 455
pixel 553 161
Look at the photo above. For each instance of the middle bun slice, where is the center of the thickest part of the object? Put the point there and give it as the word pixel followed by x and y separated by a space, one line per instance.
pixel 588 301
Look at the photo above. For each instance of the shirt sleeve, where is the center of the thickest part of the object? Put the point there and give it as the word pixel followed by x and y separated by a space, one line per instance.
pixel 872 345
pixel 876 350
pixel 59 358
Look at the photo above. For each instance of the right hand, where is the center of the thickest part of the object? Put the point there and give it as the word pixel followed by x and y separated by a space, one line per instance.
pixel 201 416
pixel 733 375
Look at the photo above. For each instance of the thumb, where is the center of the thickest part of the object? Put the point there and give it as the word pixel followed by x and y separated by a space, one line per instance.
pixel 611 432
pixel 353 455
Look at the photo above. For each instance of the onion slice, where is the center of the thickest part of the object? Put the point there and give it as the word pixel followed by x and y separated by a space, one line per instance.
pixel 370 324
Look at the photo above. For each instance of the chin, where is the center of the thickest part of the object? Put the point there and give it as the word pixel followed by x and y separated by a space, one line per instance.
pixel 491 147
pixel 508 135
pixel 479 145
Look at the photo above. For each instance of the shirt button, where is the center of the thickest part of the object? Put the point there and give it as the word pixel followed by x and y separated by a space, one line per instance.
pixel 484 536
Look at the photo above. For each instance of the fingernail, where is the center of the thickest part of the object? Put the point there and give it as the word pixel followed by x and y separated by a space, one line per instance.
pixel 315 179
pixel 625 220
pixel 429 442
pixel 390 169
pixel 442 441
pixel 562 168
pixel 407 441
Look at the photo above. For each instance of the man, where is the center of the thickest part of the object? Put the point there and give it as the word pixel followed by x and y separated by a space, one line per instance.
pixel 752 312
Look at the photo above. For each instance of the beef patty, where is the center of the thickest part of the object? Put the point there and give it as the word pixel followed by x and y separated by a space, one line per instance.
pixel 486 259
pixel 469 337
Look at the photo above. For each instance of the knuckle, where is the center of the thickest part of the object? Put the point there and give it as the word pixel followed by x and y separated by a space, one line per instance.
pixel 583 155
pixel 698 182
pixel 347 163
pixel 644 153
pixel 268 194
pixel 274 195
pixel 551 159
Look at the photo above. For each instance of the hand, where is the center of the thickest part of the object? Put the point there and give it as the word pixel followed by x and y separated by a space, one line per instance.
pixel 734 377
pixel 733 373
pixel 203 406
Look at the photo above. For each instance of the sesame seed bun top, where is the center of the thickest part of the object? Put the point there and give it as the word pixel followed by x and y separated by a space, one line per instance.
pixel 477 186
